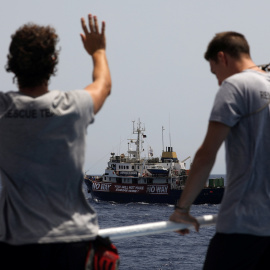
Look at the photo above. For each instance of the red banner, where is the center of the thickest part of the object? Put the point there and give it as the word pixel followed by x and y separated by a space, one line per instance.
pixel 162 189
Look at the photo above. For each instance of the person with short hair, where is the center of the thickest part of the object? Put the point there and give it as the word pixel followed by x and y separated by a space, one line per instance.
pixel 45 220
pixel 241 117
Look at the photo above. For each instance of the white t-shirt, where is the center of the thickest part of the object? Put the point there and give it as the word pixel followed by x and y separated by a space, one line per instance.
pixel 242 103
pixel 42 151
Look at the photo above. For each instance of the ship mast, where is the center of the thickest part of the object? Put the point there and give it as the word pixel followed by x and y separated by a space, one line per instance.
pixel 138 142
pixel 162 139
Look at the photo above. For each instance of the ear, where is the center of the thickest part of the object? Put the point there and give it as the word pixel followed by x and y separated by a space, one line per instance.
pixel 222 58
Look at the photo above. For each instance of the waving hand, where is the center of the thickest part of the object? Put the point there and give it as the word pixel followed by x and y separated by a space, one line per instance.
pixel 92 39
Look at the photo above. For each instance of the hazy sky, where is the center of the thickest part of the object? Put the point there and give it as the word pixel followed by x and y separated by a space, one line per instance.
pixel 155 50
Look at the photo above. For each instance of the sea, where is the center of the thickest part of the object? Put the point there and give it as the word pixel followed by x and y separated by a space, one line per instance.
pixel 167 251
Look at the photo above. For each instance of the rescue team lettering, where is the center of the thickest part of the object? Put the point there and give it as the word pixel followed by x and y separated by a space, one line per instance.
pixel 265 95
pixel 44 113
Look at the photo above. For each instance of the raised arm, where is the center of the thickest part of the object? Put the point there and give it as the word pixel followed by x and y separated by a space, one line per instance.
pixel 94 43
pixel 201 168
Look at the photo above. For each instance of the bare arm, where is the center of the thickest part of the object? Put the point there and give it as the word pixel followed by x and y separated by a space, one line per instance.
pixel 201 168
pixel 95 44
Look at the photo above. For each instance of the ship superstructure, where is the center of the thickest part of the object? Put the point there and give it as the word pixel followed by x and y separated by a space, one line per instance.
pixel 133 169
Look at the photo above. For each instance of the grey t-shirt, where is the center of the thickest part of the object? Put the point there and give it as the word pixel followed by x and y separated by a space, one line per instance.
pixel 242 103
pixel 42 149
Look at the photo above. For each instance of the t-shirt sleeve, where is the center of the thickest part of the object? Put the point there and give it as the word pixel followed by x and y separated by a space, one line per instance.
pixel 84 104
pixel 5 102
pixel 228 105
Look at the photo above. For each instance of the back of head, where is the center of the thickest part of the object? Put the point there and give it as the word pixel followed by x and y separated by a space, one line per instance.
pixel 233 43
pixel 32 55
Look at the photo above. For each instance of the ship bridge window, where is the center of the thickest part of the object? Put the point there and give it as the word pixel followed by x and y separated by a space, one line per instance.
pixel 123 167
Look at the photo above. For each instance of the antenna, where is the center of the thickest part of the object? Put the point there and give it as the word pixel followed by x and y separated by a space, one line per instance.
pixel 170 130
pixel 162 139
pixel 119 146
pixel 139 142
pixel 133 126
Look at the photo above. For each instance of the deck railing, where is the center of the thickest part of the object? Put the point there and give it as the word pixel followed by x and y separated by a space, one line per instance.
pixel 153 228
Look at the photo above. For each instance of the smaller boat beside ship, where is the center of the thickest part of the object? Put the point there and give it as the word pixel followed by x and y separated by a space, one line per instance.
pixel 131 178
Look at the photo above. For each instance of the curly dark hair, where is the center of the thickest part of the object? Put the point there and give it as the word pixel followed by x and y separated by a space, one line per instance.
pixel 32 55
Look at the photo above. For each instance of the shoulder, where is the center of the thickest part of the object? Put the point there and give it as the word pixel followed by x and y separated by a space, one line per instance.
pixel 249 79
pixel 76 101
pixel 246 85
pixel 6 98
pixel 240 95
pixel 79 94
pixel 72 93
pixel 8 94
pixel 70 98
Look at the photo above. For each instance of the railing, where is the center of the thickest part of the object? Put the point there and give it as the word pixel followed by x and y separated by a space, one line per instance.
pixel 153 228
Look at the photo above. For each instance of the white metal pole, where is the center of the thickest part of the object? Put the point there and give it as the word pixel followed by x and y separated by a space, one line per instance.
pixel 153 228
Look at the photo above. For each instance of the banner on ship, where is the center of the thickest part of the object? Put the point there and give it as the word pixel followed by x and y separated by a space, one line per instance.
pixel 126 188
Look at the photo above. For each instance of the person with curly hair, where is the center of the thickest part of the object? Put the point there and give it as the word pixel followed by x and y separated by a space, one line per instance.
pixel 45 220
pixel 33 56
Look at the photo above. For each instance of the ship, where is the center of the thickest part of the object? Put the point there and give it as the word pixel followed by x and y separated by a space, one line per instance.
pixel 133 178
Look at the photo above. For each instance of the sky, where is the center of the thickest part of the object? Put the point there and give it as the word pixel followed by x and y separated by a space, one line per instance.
pixel 155 51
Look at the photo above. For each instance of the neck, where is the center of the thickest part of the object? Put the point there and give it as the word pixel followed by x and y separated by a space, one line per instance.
pixel 254 67
pixel 35 91
pixel 246 63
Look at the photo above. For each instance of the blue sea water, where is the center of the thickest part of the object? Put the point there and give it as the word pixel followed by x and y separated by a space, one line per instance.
pixel 168 251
